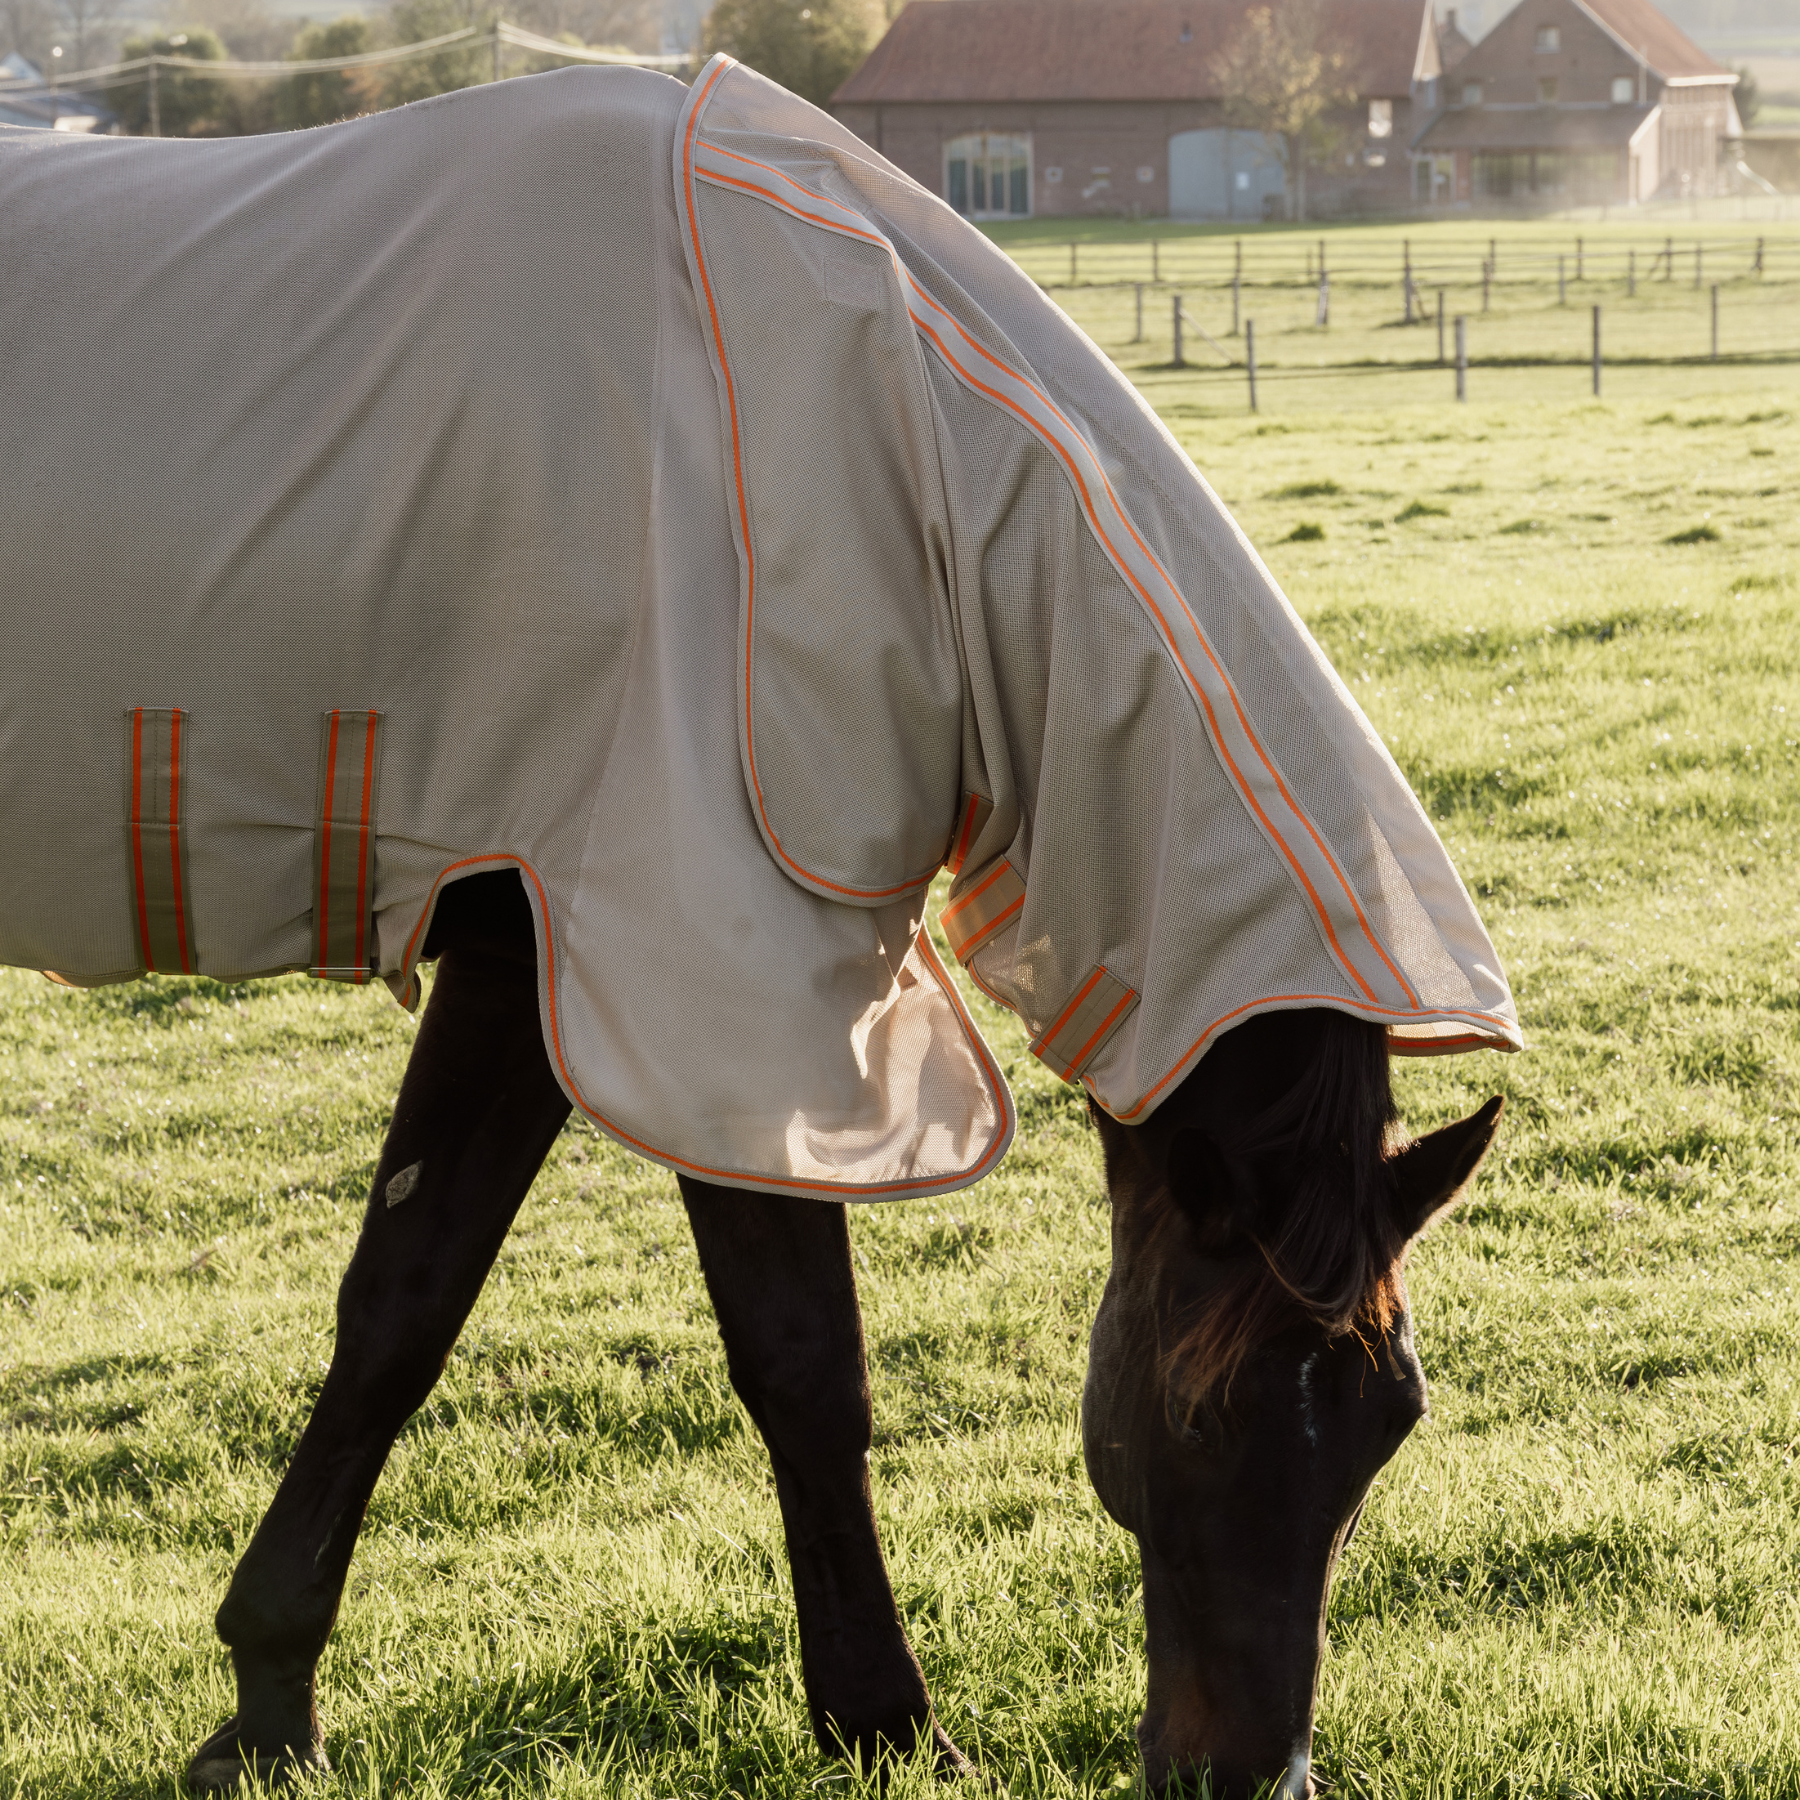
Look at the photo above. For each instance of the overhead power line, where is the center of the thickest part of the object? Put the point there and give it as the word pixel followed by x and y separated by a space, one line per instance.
pixel 469 37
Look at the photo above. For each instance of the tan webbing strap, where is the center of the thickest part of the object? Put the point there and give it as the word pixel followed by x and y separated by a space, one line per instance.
pixel 156 759
pixel 344 846
pixel 974 814
pixel 986 909
pixel 1074 1037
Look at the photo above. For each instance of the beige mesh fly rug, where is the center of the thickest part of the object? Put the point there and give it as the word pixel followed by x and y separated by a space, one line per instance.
pixel 653 489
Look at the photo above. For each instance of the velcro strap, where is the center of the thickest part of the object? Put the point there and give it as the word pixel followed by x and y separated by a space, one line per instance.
pixel 989 906
pixel 156 759
pixel 977 809
pixel 1074 1038
pixel 344 846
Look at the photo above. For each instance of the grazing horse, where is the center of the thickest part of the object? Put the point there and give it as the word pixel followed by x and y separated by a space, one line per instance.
pixel 619 541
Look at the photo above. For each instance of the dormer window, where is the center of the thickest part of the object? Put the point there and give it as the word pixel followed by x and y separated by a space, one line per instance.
pixel 1622 90
pixel 1381 118
pixel 1471 93
pixel 1549 40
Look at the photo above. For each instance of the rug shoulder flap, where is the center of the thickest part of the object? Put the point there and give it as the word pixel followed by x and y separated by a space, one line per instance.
pixel 851 695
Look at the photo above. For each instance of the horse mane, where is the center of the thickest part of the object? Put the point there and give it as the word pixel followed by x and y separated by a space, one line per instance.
pixel 1334 1255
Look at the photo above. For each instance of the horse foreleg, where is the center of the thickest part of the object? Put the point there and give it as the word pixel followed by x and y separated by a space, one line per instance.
pixel 477 1113
pixel 783 1288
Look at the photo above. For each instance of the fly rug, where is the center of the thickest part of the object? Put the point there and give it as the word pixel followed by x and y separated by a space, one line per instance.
pixel 621 540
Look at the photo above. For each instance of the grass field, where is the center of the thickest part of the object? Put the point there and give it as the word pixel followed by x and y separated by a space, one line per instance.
pixel 1577 626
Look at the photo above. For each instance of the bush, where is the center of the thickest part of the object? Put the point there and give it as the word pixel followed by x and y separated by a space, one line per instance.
pixel 331 94
pixel 812 47
pixel 186 105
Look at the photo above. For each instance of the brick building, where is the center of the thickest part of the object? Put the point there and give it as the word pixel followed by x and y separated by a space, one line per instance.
pixel 1015 108
pixel 1572 102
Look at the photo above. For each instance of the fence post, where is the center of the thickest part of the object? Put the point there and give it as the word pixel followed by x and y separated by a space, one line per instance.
pixel 1580 260
pixel 1407 280
pixel 1250 357
pixel 1155 260
pixel 1596 352
pixel 1137 337
pixel 1487 275
pixel 1715 322
pixel 1324 313
pixel 1494 255
pixel 1757 268
pixel 1236 300
pixel 1462 357
pixel 1321 259
pixel 1631 274
pixel 1668 259
pixel 1179 359
pixel 1562 281
pixel 1238 267
pixel 1440 328
pixel 1073 265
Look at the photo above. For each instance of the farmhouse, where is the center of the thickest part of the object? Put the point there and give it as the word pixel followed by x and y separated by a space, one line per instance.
pixel 1015 108
pixel 1569 102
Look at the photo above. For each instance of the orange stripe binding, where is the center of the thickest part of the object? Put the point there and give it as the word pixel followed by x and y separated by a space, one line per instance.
pixel 1075 1037
pixel 971 919
pixel 156 826
pixel 344 846
pixel 977 809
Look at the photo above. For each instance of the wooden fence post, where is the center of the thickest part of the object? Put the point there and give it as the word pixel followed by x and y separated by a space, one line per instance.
pixel 1175 324
pixel 1237 282
pixel 1137 337
pixel 1562 281
pixel 1596 352
pixel 1440 328
pixel 1462 357
pixel 1631 274
pixel 1250 357
pixel 1715 322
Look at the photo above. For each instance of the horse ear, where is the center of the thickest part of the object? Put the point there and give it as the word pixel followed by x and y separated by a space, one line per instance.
pixel 1213 1192
pixel 1430 1175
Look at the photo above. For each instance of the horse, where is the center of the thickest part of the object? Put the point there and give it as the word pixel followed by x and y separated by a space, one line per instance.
pixel 1252 1368
pixel 618 541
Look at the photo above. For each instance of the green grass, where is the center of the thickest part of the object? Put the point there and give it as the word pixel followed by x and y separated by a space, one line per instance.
pixel 1580 1577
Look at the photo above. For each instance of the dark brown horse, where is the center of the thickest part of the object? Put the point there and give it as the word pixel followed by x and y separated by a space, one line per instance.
pixel 1252 1368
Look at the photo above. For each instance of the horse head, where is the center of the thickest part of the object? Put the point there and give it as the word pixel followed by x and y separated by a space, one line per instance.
pixel 1252 1368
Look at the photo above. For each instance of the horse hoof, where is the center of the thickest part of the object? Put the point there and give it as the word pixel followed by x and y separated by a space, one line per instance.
pixel 222 1762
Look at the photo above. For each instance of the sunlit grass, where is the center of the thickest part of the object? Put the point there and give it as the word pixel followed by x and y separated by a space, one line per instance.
pixel 1581 1577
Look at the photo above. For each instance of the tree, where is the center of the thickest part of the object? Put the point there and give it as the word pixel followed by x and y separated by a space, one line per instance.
pixel 1747 96
pixel 184 105
pixel 460 66
pixel 1279 75
pixel 812 47
pixel 329 94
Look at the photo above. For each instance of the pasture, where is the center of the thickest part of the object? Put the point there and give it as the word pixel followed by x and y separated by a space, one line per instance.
pixel 1577 626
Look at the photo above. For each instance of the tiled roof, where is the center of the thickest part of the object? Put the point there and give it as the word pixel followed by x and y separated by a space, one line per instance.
pixel 1531 128
pixel 993 50
pixel 1640 27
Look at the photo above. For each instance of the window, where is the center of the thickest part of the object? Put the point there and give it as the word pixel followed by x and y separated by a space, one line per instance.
pixel 1471 93
pixel 1549 40
pixel 1381 118
pixel 1546 89
pixel 1622 90
pixel 988 177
